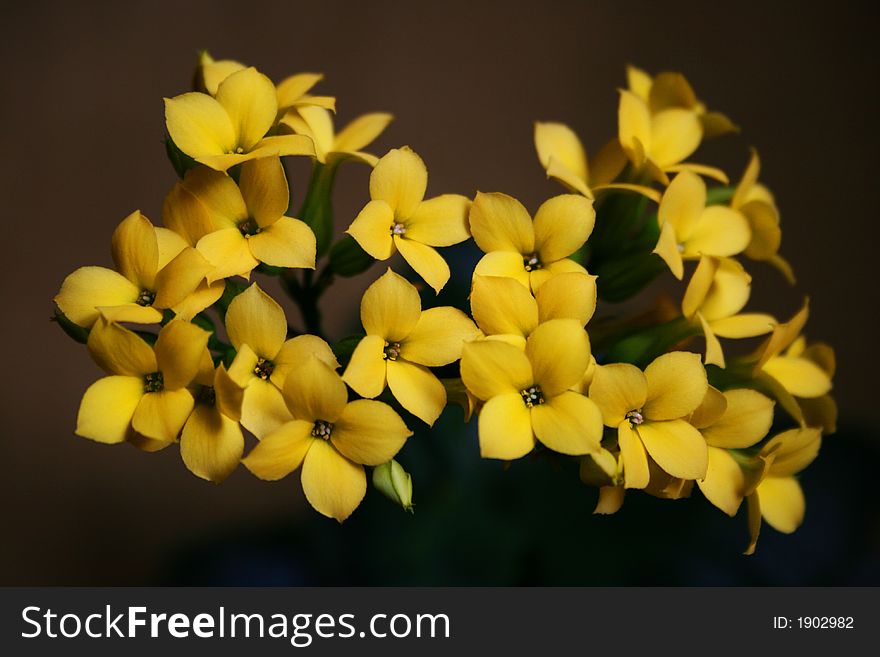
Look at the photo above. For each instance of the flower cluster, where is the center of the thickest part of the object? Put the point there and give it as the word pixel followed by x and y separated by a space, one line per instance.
pixel 197 354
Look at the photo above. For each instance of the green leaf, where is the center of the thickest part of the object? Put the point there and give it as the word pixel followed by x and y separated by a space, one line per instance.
pixel 622 278
pixel 233 289
pixel 317 209
pixel 720 194
pixel 347 258
pixel 179 160
pixel 74 331
pixel 343 349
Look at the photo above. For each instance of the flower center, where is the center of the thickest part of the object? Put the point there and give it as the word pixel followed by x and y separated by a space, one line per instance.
pixel 635 417
pixel 391 351
pixel 206 395
pixel 145 298
pixel 322 429
pixel 532 262
pixel 398 228
pixel 532 396
pixel 248 227
pixel 238 151
pixel 154 382
pixel 264 368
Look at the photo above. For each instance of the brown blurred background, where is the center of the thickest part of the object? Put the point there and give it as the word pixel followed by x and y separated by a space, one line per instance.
pixel 82 120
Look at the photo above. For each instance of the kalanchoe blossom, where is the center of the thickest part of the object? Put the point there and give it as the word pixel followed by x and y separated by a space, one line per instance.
pixel 398 218
pixel 530 251
pixel 145 391
pixel 155 271
pixel 332 147
pixel 402 342
pixel 330 437
pixel 238 226
pixel 257 328
pixel 231 127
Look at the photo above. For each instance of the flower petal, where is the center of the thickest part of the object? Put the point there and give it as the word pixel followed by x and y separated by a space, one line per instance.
pixel 617 389
pixel 699 285
pixel 710 410
pixel 211 444
pixel 228 251
pixel 117 350
pixel 676 386
pixel 400 179
pixel 440 221
pixel 500 223
pixel 538 277
pixel 720 231
pixel 503 264
pixel 333 485
pixel 107 407
pixel 801 377
pixel 438 337
pixel 255 319
pixel 372 229
pixel 677 447
pixel 264 189
pixel 426 262
pixel 559 351
pixel 502 306
pixel 635 460
pixel 250 101
pixel 682 204
pixel 556 141
pixel 199 125
pixel 724 482
pixel 417 389
pixel 286 243
pixel 490 368
pixel 390 307
pixel 365 372
pixel 505 428
pixel 89 288
pixel 136 250
pixel 569 424
pixel 361 132
pixel 298 350
pixel 745 422
pixel 634 126
pixel 291 89
pixel 782 503
pixel 219 194
pixel 567 296
pixel 562 225
pixel 202 297
pixel 262 408
pixel 369 432
pixel 793 450
pixel 185 214
pixel 179 350
pixel 667 249
pixel 281 451
pixel 675 135
pixel 180 278
pixel 746 325
pixel 161 415
pixel 314 391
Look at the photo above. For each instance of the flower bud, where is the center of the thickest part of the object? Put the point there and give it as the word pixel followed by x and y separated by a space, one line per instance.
pixel 395 483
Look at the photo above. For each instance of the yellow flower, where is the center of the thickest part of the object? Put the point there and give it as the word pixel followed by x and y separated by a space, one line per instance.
pixel 330 437
pixel 733 420
pixel 779 498
pixel 402 342
pixel 527 396
pixel 659 143
pixel 755 202
pixel 717 291
pixel 211 443
pixel 787 370
pixel 332 147
pixel 818 411
pixel 689 228
pixel 155 271
pixel 399 219
pixel 231 127
pixel 236 227
pixel 649 411
pixel 506 310
pixel 667 90
pixel 146 390
pixel 530 251
pixel 257 328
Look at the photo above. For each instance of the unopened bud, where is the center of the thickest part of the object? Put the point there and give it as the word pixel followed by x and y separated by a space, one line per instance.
pixel 395 483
